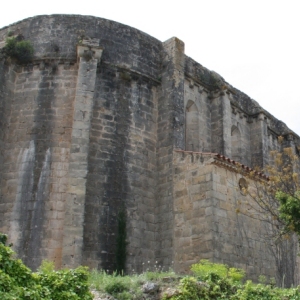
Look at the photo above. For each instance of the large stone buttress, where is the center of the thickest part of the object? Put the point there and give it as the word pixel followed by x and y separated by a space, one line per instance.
pixel 88 58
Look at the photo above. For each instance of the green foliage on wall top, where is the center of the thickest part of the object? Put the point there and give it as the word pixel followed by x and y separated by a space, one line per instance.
pixel 20 50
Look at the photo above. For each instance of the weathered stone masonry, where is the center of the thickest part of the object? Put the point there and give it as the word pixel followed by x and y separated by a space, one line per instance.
pixel 106 118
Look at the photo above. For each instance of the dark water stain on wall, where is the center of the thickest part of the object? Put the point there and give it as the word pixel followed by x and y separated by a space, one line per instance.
pixel 35 187
pixel 107 160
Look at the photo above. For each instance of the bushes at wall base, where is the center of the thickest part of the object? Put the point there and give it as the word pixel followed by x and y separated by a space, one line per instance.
pixel 17 282
pixel 192 289
pixel 251 291
pixel 204 269
pixel 218 281
pixel 214 287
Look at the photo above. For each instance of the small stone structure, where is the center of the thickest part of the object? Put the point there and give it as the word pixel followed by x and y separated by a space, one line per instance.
pixel 106 118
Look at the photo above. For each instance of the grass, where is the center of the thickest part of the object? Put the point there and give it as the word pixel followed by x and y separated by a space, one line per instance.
pixel 209 281
pixel 125 287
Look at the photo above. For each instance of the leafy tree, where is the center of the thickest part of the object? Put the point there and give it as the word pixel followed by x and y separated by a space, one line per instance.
pixel 276 201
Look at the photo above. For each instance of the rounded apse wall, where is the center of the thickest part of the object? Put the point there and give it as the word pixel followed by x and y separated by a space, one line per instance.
pixel 57 36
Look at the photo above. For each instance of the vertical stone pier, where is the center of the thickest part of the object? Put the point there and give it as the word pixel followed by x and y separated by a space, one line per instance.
pixel 88 58
pixel 221 124
pixel 259 142
pixel 170 135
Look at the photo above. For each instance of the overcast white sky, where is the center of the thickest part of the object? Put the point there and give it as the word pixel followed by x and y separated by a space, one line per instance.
pixel 254 45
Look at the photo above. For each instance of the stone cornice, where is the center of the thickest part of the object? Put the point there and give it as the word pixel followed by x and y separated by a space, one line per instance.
pixel 225 162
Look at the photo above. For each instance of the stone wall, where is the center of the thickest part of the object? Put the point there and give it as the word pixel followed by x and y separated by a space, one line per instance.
pixel 230 122
pixel 169 135
pixel 212 221
pixel 121 167
pixel 56 36
pixel 108 159
pixel 198 113
pixel 90 128
pixel 37 143
pixel 7 75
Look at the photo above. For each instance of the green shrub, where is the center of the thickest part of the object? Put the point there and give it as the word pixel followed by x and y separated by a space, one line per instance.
pixel 120 287
pixel 17 282
pixel 20 50
pixel 205 268
pixel 46 267
pixel 214 287
pixel 252 291
pixel 291 293
pixel 190 289
pixel 67 284
pixel 13 269
pixel 125 287
pixel 116 287
pixel 211 281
